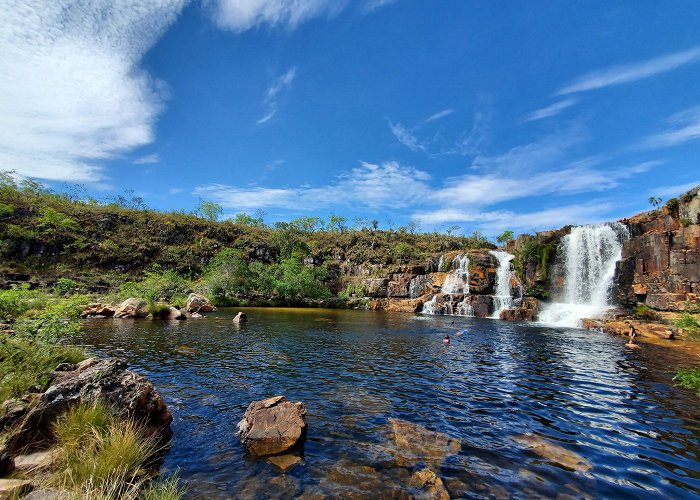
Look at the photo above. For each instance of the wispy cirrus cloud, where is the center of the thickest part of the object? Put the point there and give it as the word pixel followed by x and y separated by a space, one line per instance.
pixel 72 91
pixel 438 115
pixel 625 73
pixel 683 127
pixel 372 186
pixel 242 15
pixel 406 137
pixel 147 159
pixel 273 94
pixel 551 110
pixel 674 191
pixel 372 5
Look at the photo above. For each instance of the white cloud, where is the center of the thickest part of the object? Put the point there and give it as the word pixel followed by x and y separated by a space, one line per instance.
pixel 406 137
pixel 272 95
pixel 494 222
pixel 626 73
pixel 147 160
pixel 71 90
pixel 685 126
pixel 551 110
pixel 674 191
pixel 367 186
pixel 372 5
pixel 242 15
pixel 438 115
pixel 174 191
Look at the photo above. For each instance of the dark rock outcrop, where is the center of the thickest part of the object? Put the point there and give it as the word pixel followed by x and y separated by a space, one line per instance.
pixel 129 395
pixel 272 426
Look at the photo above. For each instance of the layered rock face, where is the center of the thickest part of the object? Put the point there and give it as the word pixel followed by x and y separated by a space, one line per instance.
pixel 660 264
pixel 454 283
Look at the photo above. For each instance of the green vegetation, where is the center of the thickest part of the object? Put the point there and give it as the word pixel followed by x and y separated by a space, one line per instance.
pixel 655 201
pixel 102 457
pixel 685 221
pixel 689 378
pixel 689 323
pixel 644 313
pixel 505 237
pixel 121 249
pixel 537 251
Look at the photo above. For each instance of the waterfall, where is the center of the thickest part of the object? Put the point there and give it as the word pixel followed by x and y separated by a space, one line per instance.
pixel 458 279
pixel 429 307
pixel 502 299
pixel 589 255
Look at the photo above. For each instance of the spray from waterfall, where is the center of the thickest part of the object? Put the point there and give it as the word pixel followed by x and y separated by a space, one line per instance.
pixel 588 257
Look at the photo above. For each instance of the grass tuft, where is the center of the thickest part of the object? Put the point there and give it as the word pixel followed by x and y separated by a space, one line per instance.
pixel 689 378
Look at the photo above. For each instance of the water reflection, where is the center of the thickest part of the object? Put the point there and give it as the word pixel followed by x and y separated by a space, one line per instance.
pixel 580 391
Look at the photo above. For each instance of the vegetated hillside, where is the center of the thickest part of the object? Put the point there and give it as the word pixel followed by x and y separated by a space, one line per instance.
pixel 50 235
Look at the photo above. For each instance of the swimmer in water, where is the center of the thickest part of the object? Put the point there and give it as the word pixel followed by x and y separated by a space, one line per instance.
pixel 446 340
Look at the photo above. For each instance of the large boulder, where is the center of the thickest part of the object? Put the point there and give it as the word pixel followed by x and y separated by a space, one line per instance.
pixel 98 310
pixel 129 395
pixel 132 308
pixel 198 304
pixel 272 426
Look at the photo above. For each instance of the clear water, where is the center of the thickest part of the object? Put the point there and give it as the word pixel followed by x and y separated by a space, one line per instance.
pixel 584 391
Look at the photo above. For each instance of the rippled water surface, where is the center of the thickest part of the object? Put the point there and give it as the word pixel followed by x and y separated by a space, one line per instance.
pixel 501 389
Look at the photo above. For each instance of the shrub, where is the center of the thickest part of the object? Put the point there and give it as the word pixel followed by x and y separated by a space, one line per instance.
pixel 159 310
pixel 689 378
pixel 57 319
pixel 6 209
pixel 65 286
pixel 685 221
pixel 644 313
pixel 15 302
pixel 688 323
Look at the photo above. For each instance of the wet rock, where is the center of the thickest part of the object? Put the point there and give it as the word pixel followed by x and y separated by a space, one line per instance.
pixel 427 481
pixel 284 462
pixel 14 488
pixel 108 380
pixel 554 452
pixel 272 426
pixel 132 308
pixel 98 310
pixel 176 314
pixel 198 304
pixel 414 443
pixel 240 318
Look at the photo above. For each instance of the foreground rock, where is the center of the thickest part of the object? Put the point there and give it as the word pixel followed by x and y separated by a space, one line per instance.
pixel 132 308
pixel 176 314
pixel 14 488
pixel 198 304
pixel 272 426
pixel 645 330
pixel 553 452
pixel 128 394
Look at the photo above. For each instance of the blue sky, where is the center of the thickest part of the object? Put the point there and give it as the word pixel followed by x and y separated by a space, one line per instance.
pixel 486 115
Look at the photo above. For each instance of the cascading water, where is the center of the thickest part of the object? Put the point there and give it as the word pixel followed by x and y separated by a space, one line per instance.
pixel 589 257
pixel 502 298
pixel 458 280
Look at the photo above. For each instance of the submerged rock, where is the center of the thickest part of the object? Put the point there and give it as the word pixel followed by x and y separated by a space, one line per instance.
pixel 414 443
pixel 128 394
pixel 554 452
pixel 197 303
pixel 131 308
pixel 430 484
pixel 272 426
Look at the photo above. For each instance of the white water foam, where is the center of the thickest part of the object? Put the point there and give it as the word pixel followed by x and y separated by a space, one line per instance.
pixel 502 298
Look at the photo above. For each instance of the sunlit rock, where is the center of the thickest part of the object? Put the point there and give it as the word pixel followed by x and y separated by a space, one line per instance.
pixel 272 426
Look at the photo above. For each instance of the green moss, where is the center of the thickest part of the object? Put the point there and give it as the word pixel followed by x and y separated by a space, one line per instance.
pixel 689 378
pixel 644 313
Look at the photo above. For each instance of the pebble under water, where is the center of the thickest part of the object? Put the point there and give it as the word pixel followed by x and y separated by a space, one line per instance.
pixel 502 389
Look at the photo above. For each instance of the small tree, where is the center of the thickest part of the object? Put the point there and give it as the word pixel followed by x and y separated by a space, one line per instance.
pixel 413 226
pixel 209 210
pixel 505 237
pixel 452 230
pixel 337 223
pixel 655 201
